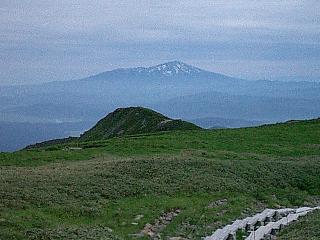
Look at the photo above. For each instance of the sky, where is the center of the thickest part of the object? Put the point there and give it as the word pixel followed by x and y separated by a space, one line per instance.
pixel 52 40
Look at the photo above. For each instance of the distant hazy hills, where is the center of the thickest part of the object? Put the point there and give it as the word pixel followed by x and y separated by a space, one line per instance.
pixel 246 107
pixel 174 88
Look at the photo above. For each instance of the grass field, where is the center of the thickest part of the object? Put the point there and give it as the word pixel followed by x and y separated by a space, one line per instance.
pixel 98 192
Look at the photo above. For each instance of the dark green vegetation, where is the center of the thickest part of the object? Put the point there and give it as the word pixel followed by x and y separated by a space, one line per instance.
pixel 134 120
pixel 306 229
pixel 100 189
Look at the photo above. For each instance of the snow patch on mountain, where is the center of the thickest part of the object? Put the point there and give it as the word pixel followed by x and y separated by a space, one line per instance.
pixel 169 69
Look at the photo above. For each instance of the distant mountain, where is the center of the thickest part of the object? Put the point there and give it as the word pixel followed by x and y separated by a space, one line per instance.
pixel 167 71
pixel 133 120
pixel 91 98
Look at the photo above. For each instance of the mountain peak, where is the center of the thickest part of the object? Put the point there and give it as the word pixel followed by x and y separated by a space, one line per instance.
pixel 173 68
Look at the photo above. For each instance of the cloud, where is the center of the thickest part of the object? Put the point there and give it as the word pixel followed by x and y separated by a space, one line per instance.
pixel 96 35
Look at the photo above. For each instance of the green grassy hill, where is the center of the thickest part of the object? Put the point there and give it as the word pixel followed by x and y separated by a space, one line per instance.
pixel 134 120
pixel 112 188
pixel 124 122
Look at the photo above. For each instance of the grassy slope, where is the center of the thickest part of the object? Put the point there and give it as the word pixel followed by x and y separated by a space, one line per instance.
pixel 51 191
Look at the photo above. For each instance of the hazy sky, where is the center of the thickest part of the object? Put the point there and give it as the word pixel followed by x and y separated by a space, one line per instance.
pixel 47 40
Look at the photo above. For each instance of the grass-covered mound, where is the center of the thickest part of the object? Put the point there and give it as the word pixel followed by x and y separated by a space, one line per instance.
pixel 134 120
pixel 213 176
pixel 124 122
